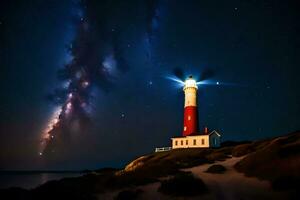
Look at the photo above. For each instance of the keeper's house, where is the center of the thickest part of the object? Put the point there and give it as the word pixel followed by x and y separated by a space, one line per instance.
pixel 205 140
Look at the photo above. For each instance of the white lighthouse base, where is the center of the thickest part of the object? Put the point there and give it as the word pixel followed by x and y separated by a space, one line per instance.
pixel 197 141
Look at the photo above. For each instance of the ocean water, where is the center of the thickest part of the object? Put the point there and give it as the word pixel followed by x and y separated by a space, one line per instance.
pixel 31 180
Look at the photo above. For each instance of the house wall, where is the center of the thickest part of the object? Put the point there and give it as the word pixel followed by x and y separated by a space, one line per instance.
pixel 214 140
pixel 202 141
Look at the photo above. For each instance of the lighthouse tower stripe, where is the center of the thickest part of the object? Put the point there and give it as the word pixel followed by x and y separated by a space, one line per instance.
pixel 190 122
pixel 190 97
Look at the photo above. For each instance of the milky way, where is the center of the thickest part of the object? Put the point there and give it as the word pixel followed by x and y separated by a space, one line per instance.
pixel 97 55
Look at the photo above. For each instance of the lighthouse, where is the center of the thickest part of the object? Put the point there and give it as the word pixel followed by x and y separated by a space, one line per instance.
pixel 190 118
pixel 191 137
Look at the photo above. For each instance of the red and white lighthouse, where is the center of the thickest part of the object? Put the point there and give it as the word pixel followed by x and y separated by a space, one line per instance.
pixel 190 121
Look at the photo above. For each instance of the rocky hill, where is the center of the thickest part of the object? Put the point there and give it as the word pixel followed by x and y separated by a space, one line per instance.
pixel 273 165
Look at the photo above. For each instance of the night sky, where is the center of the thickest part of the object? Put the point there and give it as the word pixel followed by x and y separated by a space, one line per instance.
pixel 116 58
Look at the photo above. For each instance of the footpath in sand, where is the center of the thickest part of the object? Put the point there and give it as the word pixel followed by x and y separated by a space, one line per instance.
pixel 234 185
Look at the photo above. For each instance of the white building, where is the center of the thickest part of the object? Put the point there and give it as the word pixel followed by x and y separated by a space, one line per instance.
pixel 207 140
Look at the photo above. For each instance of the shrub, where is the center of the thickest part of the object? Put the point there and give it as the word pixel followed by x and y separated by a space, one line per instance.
pixel 128 194
pixel 14 193
pixel 216 169
pixel 242 150
pixel 286 183
pixel 183 184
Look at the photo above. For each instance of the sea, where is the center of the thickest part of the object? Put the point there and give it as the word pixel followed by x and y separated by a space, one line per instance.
pixel 29 180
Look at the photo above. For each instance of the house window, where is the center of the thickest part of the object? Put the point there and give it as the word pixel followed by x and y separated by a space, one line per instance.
pixel 194 141
pixel 189 117
pixel 176 143
pixel 181 142
pixel 186 142
pixel 202 141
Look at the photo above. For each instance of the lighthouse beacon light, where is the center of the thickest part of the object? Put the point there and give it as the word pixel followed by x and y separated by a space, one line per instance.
pixel 190 82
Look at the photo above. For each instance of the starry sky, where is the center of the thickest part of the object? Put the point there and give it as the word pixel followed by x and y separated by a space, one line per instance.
pixel 250 47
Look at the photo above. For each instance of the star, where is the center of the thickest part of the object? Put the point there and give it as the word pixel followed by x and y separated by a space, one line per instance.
pixel 235 8
pixel 150 82
pixel 122 115
pixel 218 83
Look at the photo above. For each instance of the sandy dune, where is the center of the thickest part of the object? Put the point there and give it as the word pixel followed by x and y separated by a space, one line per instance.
pixel 234 185
pixel 231 185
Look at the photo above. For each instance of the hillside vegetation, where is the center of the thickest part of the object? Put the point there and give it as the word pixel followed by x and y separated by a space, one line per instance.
pixel 276 159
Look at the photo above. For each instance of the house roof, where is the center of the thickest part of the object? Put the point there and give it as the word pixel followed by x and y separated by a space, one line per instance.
pixel 215 132
pixel 200 134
